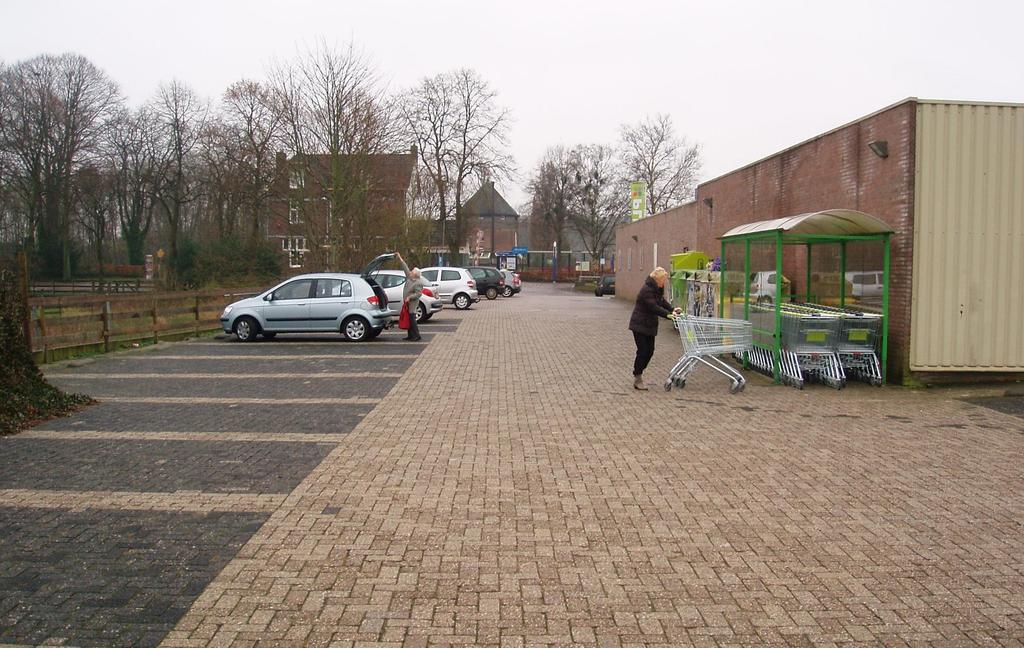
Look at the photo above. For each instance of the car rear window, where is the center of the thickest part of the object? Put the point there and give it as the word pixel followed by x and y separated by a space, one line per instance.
pixel 326 288
pixel 477 273
pixel 450 275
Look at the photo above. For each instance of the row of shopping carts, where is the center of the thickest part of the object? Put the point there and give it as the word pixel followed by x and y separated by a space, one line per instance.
pixel 825 344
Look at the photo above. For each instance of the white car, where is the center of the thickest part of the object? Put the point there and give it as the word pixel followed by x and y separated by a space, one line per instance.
pixel 393 283
pixel 452 285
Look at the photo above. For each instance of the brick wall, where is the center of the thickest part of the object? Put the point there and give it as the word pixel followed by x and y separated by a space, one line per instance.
pixel 836 170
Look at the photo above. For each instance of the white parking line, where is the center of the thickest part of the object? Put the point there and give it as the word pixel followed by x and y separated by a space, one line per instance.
pixel 268 437
pixel 190 501
pixel 204 400
pixel 332 356
pixel 232 376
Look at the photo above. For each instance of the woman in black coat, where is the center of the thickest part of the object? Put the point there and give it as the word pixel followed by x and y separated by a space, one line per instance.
pixel 650 305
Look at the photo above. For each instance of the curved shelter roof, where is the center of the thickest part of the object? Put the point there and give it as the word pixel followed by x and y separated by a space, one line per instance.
pixel 831 222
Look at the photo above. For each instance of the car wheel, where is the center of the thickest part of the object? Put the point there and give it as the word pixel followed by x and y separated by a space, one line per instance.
pixel 507 292
pixel 246 329
pixel 492 293
pixel 597 292
pixel 426 318
pixel 373 333
pixel 355 329
pixel 421 313
pixel 461 301
pixel 269 336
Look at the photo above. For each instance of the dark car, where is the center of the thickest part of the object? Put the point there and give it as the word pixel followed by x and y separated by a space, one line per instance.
pixel 489 281
pixel 605 286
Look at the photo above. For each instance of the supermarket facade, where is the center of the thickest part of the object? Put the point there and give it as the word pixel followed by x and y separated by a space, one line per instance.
pixel 947 178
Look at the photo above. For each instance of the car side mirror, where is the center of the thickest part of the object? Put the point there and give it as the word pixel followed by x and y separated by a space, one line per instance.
pixel 269 297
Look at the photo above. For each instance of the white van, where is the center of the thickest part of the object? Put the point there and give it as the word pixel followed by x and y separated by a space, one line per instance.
pixel 866 284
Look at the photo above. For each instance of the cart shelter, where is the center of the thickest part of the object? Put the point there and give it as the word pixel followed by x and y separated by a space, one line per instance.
pixel 827 321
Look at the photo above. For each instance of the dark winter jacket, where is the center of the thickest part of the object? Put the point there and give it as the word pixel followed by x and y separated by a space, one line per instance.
pixel 650 304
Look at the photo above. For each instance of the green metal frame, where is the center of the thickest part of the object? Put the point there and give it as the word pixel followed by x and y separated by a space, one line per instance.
pixel 781 240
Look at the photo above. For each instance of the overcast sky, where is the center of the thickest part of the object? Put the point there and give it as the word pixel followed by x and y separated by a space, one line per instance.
pixel 744 79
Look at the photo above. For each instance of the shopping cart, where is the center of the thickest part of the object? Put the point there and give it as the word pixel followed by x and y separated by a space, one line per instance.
pixel 703 339
pixel 808 345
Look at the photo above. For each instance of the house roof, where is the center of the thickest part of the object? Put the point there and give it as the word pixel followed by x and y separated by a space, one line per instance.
pixel 391 172
pixel 831 222
pixel 487 201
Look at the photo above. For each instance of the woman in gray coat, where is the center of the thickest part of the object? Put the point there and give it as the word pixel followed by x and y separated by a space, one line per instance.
pixel 411 293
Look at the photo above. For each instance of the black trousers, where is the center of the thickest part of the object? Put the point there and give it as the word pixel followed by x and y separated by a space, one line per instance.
pixel 414 328
pixel 644 352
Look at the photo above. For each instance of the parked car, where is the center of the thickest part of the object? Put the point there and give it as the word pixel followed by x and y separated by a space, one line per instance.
pixel 513 284
pixel 393 283
pixel 605 286
pixel 489 281
pixel 327 302
pixel 453 286
pixel 866 284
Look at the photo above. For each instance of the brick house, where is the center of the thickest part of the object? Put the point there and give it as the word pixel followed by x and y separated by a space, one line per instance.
pixel 948 177
pixel 492 224
pixel 379 190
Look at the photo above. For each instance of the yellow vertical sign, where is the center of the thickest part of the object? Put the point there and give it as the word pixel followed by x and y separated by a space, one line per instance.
pixel 637 200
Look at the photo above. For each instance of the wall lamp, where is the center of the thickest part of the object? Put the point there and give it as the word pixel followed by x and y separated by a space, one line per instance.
pixel 710 202
pixel 879 148
pixel 635 238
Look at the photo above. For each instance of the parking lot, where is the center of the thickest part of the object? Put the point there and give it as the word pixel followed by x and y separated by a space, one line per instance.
pixel 116 518
pixel 502 484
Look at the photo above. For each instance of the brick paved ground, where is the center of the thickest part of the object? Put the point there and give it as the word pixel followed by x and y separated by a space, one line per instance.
pixel 513 490
pixel 550 504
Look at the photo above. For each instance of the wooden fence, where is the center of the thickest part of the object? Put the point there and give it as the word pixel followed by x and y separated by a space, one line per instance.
pixel 91 286
pixel 61 326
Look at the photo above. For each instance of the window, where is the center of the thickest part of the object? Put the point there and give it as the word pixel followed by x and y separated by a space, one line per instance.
pixel 450 275
pixel 390 281
pixel 294 217
pixel 295 246
pixel 477 273
pixel 327 288
pixel 294 290
pixel 430 275
pixel 297 179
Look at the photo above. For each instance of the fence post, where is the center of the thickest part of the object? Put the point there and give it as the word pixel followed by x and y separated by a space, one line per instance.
pixel 156 333
pixel 197 315
pixel 42 331
pixel 106 327
pixel 26 322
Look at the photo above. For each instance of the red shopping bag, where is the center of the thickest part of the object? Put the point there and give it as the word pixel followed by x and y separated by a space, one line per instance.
pixel 403 317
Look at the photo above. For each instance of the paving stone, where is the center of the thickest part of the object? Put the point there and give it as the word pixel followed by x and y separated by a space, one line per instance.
pixel 155 466
pixel 551 503
pixel 108 578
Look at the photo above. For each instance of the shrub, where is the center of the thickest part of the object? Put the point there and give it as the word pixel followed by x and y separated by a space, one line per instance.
pixel 27 395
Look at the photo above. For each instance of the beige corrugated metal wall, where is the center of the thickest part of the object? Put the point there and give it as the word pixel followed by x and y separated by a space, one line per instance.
pixel 968 293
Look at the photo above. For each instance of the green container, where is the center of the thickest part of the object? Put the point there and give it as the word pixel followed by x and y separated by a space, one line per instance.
pixel 678 280
pixel 689 261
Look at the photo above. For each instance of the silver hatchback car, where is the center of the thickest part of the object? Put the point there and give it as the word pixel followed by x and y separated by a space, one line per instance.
pixel 324 302
pixel 453 286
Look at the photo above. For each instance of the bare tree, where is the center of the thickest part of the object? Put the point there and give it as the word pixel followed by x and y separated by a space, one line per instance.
pixel 254 125
pixel 336 115
pixel 600 204
pixel 134 156
pixel 95 197
pixel 653 153
pixel 180 117
pixel 553 189
pixel 460 132
pixel 54 110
